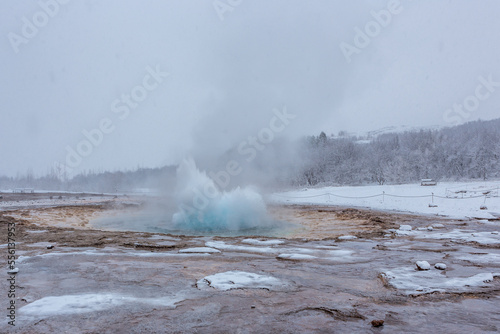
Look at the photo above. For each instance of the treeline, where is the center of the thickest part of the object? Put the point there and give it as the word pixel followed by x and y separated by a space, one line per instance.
pixel 468 151
pixel 101 182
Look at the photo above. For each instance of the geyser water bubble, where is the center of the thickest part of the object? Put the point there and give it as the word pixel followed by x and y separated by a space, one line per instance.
pixel 203 207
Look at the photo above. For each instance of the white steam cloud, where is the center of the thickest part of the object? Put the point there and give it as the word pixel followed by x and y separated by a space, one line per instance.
pixel 203 207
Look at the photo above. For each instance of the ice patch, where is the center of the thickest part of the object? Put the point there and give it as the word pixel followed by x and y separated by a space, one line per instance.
pixel 199 250
pixel 340 252
pixel 490 259
pixel 262 242
pixel 338 255
pixel 481 215
pixel 84 303
pixel 404 230
pixel 296 257
pixel 347 237
pixel 39 244
pixel 245 249
pixel 240 280
pixel 484 238
pixel 414 282
pixel 113 253
pixel 163 237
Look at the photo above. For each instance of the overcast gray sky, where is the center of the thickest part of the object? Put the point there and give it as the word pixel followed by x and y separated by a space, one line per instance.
pixel 70 66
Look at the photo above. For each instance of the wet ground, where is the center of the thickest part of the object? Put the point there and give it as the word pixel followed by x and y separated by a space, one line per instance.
pixel 340 271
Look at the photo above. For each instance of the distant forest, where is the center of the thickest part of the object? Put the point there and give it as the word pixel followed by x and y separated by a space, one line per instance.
pixel 99 182
pixel 466 152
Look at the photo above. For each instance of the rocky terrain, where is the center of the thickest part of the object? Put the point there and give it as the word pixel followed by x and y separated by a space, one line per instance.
pixel 345 270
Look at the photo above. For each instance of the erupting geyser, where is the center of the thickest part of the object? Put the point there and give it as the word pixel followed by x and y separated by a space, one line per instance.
pixel 203 207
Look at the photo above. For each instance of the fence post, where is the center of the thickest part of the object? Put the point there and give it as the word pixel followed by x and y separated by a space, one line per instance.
pixel 383 196
pixel 432 198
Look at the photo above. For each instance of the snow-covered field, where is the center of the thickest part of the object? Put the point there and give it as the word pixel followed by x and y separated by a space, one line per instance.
pixel 457 200
pixel 58 199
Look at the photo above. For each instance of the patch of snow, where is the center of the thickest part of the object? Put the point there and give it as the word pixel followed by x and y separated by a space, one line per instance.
pixel 423 265
pixel 405 228
pixel 199 250
pixel 247 249
pixel 491 259
pixel 340 253
pixel 240 280
pixel 13 271
pixel 326 247
pixel 481 215
pixel 440 266
pixel 84 303
pixel 335 254
pixel 483 238
pixel 39 244
pixel 296 257
pixel 103 252
pixel 302 250
pixel 163 237
pixel 347 237
pixel 262 242
pixel 414 282
pixel 165 243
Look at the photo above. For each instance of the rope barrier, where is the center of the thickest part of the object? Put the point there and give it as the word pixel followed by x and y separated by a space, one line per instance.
pixel 300 196
pixel 408 196
pixel 378 195
pixel 353 197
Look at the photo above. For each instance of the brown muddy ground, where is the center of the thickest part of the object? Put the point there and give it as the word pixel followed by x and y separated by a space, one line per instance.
pixel 151 286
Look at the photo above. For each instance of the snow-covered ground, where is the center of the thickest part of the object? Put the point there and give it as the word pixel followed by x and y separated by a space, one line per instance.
pixel 240 279
pixel 84 303
pixel 55 201
pixel 456 200
pixel 415 282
